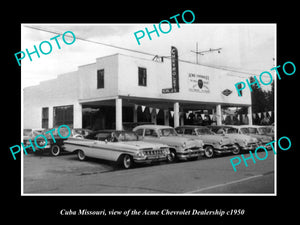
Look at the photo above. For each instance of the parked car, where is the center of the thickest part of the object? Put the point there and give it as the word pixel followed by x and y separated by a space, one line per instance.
pixel 244 142
pixel 181 148
pixel 123 147
pixel 252 131
pixel 213 143
pixel 52 148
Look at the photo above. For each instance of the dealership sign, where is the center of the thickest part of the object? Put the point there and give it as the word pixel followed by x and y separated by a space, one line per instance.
pixel 198 83
pixel 174 72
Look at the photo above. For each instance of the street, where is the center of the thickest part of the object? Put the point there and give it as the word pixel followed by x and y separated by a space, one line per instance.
pixel 65 174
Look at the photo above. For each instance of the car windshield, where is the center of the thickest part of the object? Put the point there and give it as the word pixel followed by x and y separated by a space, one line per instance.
pixel 115 136
pixel 126 136
pixel 252 130
pixel 232 131
pixel 26 132
pixel 100 136
pixel 264 130
pixel 204 131
pixel 165 132
pixel 244 130
pixel 37 132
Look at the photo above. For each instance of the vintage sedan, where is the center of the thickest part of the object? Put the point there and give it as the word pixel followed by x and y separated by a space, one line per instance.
pixel 213 143
pixel 252 131
pixel 123 147
pixel 53 148
pixel 181 148
pixel 244 142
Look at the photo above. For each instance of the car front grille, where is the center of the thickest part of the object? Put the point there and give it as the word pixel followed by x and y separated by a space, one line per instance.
pixel 193 149
pixel 229 146
pixel 154 152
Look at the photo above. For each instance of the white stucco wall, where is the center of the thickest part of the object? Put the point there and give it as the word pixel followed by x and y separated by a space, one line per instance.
pixel 64 90
pixel 88 79
pixel 159 77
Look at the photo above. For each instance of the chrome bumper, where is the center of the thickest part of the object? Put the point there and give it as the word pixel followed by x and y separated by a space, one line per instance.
pixel 190 153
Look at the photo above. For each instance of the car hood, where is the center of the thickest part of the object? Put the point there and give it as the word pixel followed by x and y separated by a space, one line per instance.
pixel 262 138
pixel 242 137
pixel 208 138
pixel 142 145
pixel 180 140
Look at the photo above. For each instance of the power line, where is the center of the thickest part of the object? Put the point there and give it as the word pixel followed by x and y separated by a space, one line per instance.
pixel 95 42
pixel 140 52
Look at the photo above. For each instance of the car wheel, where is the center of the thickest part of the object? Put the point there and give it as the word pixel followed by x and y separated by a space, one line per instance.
pixel 81 155
pixel 172 156
pixel 126 161
pixel 55 150
pixel 237 150
pixel 209 151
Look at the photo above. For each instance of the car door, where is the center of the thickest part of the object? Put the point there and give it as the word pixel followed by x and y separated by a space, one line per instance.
pixel 99 148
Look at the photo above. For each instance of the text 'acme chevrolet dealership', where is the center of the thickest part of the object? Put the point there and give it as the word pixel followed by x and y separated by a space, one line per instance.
pixel 120 89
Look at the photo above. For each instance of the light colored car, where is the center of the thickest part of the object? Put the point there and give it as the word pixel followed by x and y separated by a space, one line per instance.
pixel 181 148
pixel 213 143
pixel 252 131
pixel 244 142
pixel 123 147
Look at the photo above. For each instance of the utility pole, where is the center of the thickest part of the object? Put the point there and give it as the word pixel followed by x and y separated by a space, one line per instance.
pixel 206 51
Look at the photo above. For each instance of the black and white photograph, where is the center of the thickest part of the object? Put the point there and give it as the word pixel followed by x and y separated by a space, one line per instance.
pixel 175 114
pixel 147 112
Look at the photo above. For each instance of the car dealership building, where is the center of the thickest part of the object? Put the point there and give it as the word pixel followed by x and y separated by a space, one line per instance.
pixel 119 88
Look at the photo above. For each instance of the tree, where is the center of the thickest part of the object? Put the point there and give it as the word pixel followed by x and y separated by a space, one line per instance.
pixel 262 101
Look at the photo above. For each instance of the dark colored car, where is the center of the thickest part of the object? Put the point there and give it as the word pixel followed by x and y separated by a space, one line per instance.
pixel 54 148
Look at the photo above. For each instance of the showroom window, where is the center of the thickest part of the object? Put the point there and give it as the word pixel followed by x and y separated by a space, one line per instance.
pixel 63 115
pixel 100 78
pixel 142 76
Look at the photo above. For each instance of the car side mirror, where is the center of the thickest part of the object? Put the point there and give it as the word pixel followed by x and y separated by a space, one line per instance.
pixel 105 141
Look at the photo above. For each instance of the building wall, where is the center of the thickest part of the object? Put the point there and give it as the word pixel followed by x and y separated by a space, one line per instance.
pixel 88 79
pixel 159 77
pixel 64 90
pixel 121 79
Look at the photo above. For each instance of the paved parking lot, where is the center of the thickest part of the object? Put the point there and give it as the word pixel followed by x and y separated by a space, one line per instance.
pixel 65 174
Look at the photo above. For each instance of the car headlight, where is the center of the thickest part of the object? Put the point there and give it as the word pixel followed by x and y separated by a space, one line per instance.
pixel 220 142
pixel 42 143
pixel 183 145
pixel 245 142
pixel 140 154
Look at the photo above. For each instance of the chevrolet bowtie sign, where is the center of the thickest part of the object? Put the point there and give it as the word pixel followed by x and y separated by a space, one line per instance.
pixel 226 92
pixel 174 72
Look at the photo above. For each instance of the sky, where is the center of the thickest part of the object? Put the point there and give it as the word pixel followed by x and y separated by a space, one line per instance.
pixel 245 47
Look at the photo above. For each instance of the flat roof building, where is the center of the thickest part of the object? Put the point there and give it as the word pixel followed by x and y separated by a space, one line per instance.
pixel 117 88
